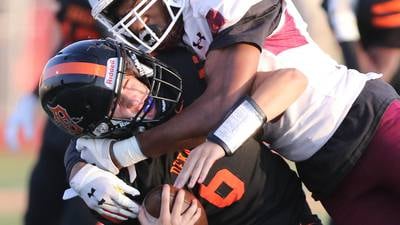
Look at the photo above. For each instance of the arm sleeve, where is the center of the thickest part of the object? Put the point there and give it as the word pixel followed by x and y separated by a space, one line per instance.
pixel 71 157
pixel 257 24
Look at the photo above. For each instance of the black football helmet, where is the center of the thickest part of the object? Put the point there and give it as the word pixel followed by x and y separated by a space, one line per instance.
pixel 81 84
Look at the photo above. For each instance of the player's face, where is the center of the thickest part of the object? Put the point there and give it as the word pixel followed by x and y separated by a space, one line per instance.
pixel 133 97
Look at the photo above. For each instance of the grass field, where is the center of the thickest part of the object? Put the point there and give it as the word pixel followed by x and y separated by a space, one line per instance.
pixel 14 173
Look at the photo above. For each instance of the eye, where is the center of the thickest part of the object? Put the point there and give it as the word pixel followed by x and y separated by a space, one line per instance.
pixel 127 6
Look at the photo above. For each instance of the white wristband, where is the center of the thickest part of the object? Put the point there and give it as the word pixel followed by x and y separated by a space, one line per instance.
pixel 127 152
pixel 238 126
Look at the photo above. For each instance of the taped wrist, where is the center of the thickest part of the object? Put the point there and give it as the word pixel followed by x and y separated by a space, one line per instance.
pixel 241 122
pixel 127 152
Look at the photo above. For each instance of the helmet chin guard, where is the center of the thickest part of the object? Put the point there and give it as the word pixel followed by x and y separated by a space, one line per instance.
pixel 152 36
pixel 81 85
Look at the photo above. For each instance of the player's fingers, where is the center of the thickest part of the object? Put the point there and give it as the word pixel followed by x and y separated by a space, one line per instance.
pixel 129 189
pixel 124 202
pixel 195 217
pixel 110 214
pixel 215 153
pixel 196 172
pixel 142 217
pixel 118 211
pixel 186 171
pixel 178 204
pixel 204 172
pixel 190 212
pixel 165 195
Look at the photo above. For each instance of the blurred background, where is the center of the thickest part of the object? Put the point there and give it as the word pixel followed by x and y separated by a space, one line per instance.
pixel 29 36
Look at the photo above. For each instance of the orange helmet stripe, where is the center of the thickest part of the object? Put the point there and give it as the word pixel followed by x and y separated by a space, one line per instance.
pixel 391 21
pixel 75 68
pixel 386 7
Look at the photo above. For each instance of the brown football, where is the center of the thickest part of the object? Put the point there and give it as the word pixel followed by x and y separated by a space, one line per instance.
pixel 152 204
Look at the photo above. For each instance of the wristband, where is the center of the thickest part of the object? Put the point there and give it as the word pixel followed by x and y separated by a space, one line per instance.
pixel 127 152
pixel 240 123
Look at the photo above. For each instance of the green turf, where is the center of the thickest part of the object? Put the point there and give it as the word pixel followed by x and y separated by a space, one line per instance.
pixel 14 173
pixel 10 219
pixel 15 169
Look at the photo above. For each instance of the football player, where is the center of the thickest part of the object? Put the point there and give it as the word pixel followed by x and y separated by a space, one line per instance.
pixel 333 131
pixel 368 34
pixel 121 92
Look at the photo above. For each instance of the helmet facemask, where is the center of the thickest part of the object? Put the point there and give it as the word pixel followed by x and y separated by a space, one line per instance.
pixel 165 88
pixel 151 36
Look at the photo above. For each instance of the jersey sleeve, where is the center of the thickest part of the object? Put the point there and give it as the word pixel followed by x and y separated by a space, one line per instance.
pixel 71 157
pixel 257 24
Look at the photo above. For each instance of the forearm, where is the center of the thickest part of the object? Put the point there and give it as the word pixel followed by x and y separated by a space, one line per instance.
pixel 272 93
pixel 275 91
pixel 226 83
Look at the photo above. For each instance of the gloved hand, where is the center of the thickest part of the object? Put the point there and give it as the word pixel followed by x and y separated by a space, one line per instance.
pixel 103 192
pixel 21 118
pixel 98 151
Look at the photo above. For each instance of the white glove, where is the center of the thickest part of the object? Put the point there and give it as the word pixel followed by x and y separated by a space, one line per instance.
pixel 97 151
pixel 21 118
pixel 104 193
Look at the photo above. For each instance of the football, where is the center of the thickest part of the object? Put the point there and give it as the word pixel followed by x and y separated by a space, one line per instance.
pixel 152 204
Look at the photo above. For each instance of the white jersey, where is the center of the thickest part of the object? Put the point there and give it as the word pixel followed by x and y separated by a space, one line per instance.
pixel 313 118
pixel 196 25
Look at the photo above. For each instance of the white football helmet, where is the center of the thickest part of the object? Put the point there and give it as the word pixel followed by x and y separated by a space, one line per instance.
pixel 147 40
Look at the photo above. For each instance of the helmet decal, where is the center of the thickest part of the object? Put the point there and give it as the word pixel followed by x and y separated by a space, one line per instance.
pixel 111 74
pixel 62 118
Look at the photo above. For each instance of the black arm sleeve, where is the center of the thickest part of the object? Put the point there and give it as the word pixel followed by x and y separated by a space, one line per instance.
pixel 71 157
pixel 257 24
